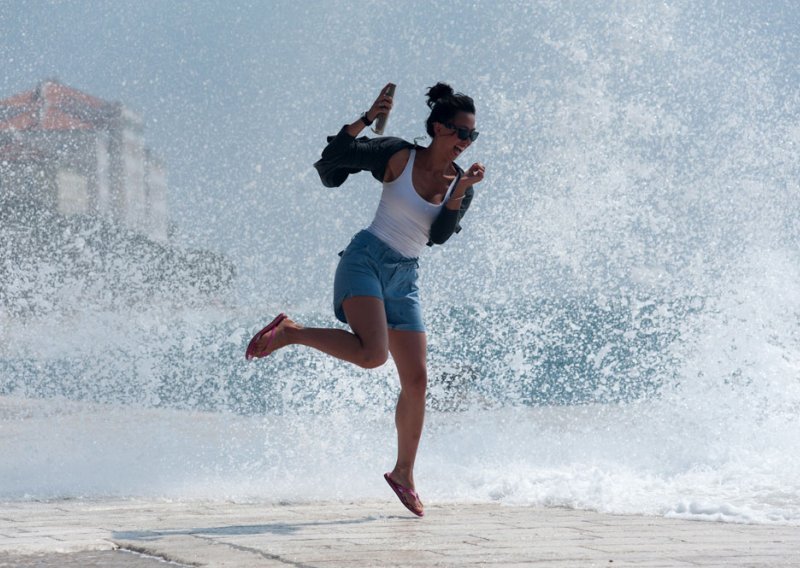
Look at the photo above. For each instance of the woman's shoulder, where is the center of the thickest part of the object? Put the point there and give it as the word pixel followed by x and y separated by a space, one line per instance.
pixel 396 164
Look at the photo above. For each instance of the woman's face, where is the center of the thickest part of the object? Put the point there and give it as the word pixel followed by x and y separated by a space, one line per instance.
pixel 447 134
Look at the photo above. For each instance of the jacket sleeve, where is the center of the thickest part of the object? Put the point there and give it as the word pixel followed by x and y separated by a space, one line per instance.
pixel 449 220
pixel 345 155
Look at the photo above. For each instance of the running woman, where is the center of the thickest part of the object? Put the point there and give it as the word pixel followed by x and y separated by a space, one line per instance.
pixel 425 195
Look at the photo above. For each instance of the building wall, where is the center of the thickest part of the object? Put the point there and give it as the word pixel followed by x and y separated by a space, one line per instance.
pixel 133 171
pixel 26 187
pixel 67 176
pixel 157 204
pixel 95 165
pixel 103 202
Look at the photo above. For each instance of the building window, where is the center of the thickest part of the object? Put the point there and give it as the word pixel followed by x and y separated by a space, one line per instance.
pixel 73 193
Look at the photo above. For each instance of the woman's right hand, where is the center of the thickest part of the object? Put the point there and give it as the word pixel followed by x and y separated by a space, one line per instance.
pixel 382 105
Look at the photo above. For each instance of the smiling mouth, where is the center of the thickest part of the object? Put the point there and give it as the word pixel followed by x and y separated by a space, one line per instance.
pixel 458 149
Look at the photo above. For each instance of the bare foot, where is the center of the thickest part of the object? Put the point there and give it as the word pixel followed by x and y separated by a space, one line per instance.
pixel 275 339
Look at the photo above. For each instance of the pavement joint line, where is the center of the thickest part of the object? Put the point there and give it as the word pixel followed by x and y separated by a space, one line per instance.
pixel 257 552
pixel 472 535
pixel 151 554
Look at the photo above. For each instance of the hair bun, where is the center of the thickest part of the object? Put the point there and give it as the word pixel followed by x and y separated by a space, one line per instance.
pixel 438 92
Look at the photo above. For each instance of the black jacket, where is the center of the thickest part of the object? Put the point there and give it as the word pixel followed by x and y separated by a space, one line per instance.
pixel 345 155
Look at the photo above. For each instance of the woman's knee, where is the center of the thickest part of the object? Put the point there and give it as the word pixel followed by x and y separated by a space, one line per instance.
pixel 415 383
pixel 373 356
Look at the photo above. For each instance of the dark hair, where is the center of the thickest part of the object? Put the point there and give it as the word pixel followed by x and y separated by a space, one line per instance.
pixel 445 104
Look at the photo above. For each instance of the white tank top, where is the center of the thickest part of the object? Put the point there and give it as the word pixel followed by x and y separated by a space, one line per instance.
pixel 403 219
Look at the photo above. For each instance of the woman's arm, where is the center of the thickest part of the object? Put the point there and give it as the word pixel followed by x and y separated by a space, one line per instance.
pixel 382 105
pixel 345 154
pixel 466 180
pixel 449 219
pixel 447 222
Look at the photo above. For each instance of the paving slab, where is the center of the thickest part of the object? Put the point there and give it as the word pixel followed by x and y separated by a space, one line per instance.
pixel 145 533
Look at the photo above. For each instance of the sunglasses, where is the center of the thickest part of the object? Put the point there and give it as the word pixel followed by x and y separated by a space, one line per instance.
pixel 463 133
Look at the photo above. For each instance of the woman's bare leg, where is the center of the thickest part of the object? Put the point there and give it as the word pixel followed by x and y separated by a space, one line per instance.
pixel 409 351
pixel 366 346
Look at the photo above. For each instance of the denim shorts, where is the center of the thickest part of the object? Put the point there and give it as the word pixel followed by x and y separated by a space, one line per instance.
pixel 370 267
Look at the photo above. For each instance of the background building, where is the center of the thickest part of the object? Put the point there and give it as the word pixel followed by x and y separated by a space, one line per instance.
pixel 69 152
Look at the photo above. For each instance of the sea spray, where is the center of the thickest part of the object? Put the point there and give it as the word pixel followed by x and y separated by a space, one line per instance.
pixel 616 327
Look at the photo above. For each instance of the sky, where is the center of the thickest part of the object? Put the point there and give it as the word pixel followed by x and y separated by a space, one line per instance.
pixel 238 97
pixel 218 83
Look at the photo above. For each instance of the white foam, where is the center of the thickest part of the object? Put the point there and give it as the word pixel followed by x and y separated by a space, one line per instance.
pixel 570 457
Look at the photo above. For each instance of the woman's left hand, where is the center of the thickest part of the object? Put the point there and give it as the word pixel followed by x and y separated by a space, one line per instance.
pixel 473 175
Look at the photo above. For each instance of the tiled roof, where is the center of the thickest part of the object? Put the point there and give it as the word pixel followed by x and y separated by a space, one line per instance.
pixel 54 106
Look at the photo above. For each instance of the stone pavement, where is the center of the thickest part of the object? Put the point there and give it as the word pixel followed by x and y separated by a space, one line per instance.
pixel 146 533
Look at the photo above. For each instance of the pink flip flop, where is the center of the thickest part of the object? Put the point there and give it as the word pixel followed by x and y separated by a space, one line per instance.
pixel 270 328
pixel 403 493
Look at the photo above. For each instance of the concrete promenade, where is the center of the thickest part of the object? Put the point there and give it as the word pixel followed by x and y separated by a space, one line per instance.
pixel 146 533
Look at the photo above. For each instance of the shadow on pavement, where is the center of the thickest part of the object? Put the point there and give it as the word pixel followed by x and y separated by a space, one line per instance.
pixel 241 530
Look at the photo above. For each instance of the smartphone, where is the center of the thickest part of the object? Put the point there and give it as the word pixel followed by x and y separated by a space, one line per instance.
pixel 380 120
